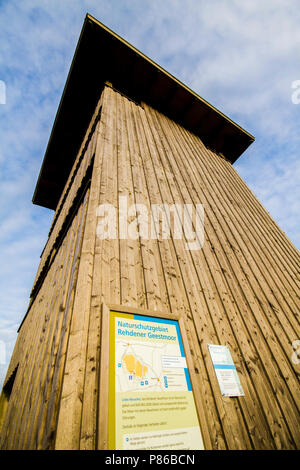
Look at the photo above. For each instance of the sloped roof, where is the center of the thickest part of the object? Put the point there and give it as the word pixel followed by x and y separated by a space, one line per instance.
pixel 100 56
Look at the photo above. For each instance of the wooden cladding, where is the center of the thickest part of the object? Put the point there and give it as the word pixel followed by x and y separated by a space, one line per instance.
pixel 72 191
pixel 240 290
pixel 30 419
pixel 69 216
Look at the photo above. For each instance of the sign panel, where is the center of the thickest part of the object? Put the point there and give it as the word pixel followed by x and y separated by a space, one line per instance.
pixel 226 373
pixel 151 402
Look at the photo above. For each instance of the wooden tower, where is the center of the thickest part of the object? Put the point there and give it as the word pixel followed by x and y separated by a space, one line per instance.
pixel 126 127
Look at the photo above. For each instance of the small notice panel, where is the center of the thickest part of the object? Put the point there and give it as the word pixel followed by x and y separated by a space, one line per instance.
pixel 151 402
pixel 226 373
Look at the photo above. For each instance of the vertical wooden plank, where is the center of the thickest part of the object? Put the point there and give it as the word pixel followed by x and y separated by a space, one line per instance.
pixel 47 390
pixel 102 440
pixel 88 437
pixel 69 420
pixel 47 351
pixel 155 287
pixel 34 353
pixel 131 271
pixel 47 440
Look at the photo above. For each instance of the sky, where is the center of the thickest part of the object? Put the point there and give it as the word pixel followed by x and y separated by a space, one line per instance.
pixel 242 56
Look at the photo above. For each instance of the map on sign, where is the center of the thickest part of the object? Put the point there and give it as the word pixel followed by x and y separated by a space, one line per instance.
pixel 145 367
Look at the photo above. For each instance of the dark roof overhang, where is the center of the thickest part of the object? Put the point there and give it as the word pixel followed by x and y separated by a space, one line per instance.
pixel 100 56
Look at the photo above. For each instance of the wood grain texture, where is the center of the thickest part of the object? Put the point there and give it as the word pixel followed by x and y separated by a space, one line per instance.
pixel 240 290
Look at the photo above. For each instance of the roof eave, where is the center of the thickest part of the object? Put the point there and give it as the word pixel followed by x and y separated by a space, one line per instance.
pixel 122 64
